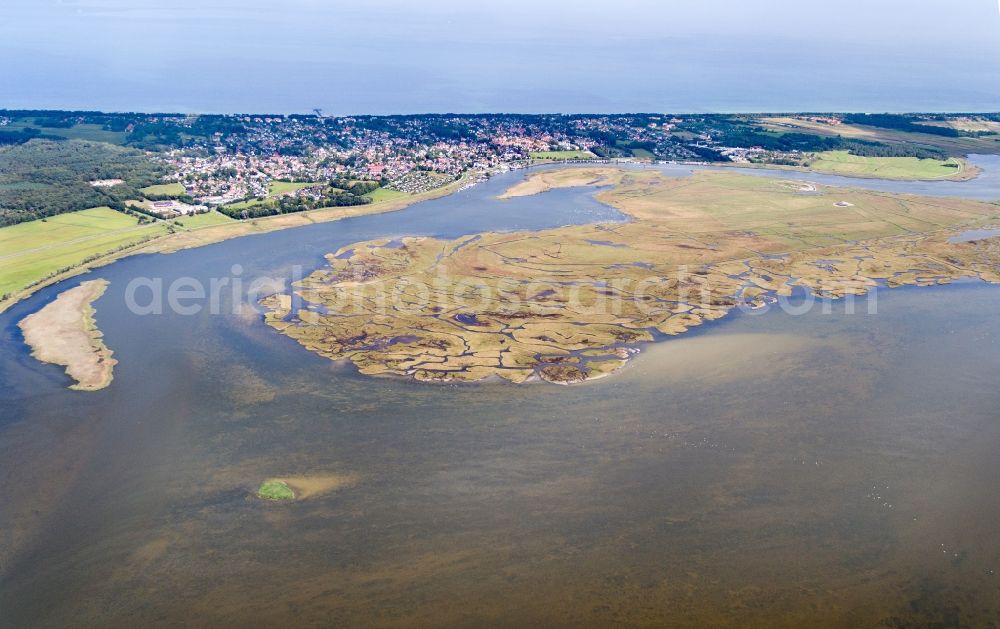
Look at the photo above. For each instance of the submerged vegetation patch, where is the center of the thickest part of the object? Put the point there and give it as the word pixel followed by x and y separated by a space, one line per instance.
pixel 275 490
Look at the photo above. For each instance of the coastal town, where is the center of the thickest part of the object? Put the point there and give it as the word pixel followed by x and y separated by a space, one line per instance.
pixel 406 155
pixel 230 159
pixel 249 166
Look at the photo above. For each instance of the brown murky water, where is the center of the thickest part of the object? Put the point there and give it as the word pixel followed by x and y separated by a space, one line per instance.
pixel 821 470
pixel 774 470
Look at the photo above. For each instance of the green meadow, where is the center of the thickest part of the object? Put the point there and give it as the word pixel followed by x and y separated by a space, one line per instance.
pixel 384 194
pixel 164 190
pixel 904 168
pixel 34 250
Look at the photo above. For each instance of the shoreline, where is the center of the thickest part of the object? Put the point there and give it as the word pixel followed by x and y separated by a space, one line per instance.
pixel 969 172
pixel 213 234
pixel 204 236
pixel 65 333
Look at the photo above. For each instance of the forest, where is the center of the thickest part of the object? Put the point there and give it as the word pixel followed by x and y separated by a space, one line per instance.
pixel 43 178
pixel 738 133
pixel 909 124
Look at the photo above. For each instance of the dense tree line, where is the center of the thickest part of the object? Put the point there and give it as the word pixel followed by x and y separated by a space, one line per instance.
pixel 152 134
pixel 357 188
pixel 25 135
pixel 877 149
pixel 898 122
pixel 332 197
pixel 708 154
pixel 743 135
pixel 146 131
pixel 141 213
pixel 43 178
pixel 608 152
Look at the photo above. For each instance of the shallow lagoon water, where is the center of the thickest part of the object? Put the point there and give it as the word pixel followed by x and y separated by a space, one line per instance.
pixel 975 234
pixel 766 469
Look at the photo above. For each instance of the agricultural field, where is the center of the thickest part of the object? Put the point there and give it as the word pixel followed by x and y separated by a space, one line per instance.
pixel 902 168
pixel 557 155
pixel 164 190
pixel 32 251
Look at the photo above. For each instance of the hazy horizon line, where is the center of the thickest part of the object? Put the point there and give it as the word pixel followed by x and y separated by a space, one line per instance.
pixel 313 114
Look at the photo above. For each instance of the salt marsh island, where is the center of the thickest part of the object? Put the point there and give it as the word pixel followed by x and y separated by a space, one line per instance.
pixel 552 304
pixel 65 333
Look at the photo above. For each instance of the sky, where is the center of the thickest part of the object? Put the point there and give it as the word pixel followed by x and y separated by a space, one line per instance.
pixel 399 56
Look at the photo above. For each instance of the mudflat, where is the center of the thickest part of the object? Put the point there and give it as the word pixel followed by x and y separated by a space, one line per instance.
pixel 64 333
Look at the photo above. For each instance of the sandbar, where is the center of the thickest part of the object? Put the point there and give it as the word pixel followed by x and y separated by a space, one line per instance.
pixel 65 333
